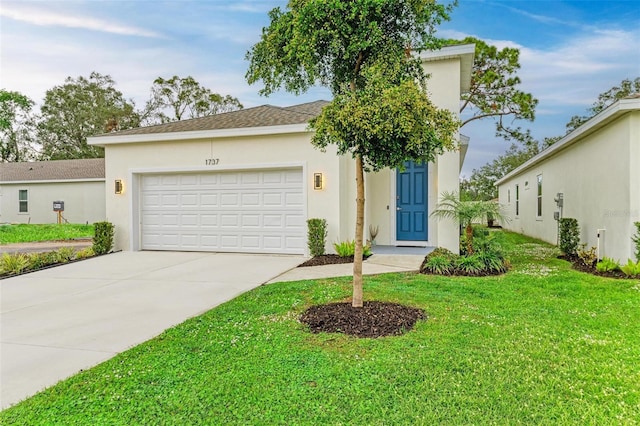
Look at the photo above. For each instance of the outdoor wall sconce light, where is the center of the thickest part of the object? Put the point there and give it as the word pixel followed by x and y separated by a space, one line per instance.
pixel 119 187
pixel 318 181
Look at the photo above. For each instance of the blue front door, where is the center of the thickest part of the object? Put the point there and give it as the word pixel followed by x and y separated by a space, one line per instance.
pixel 411 202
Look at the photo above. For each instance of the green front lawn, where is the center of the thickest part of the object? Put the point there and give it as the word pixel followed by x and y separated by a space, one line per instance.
pixel 24 233
pixel 542 344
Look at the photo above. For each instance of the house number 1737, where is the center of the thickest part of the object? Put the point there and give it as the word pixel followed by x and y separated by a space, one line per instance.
pixel 211 161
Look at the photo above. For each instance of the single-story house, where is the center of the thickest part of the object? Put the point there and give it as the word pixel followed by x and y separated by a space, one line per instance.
pixel 592 175
pixel 247 181
pixel 29 190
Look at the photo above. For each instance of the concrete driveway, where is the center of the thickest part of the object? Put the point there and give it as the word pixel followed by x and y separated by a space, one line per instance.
pixel 58 321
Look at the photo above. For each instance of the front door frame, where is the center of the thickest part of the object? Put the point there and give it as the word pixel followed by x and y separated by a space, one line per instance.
pixel 393 206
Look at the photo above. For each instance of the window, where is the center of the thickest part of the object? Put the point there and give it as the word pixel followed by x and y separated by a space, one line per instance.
pixel 517 200
pixel 539 212
pixel 23 201
pixel 509 196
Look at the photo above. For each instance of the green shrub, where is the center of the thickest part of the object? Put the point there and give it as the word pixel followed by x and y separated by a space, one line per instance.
pixel 348 248
pixel 66 254
pixel 587 256
pixel 13 263
pixel 85 253
pixel 569 235
pixel 631 269
pixel 439 264
pixel 607 265
pixel 38 260
pixel 103 237
pixel 316 236
pixel 471 265
pixel 636 240
pixel 441 251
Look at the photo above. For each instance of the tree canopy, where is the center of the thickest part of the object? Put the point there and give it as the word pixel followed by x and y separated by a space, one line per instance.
pixel 16 126
pixel 494 91
pixel 361 50
pixel 626 88
pixel 80 108
pixel 179 98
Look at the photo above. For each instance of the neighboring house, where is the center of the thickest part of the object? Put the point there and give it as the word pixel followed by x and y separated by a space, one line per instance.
pixel 28 191
pixel 596 169
pixel 247 181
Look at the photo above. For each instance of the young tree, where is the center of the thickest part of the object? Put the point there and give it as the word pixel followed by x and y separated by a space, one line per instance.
pixel 16 127
pixel 626 88
pixel 80 108
pixel 466 213
pixel 494 89
pixel 360 49
pixel 184 98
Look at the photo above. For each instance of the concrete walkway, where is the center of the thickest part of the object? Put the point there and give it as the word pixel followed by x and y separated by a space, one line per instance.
pixel 61 320
pixel 58 321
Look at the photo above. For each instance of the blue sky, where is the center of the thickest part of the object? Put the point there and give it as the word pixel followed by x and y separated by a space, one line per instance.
pixel 570 50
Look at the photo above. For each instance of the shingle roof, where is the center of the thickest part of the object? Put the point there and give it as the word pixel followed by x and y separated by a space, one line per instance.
pixel 52 170
pixel 261 116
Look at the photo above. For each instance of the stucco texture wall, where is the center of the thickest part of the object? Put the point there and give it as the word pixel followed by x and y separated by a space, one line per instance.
pixel 84 202
pixel 123 161
pixel 598 176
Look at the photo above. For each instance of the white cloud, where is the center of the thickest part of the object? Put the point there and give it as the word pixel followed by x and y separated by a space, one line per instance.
pixel 45 18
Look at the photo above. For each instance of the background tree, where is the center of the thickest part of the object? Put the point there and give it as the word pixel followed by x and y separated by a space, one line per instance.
pixel 80 108
pixel 16 127
pixel 481 184
pixel 494 88
pixel 626 88
pixel 178 98
pixel 360 50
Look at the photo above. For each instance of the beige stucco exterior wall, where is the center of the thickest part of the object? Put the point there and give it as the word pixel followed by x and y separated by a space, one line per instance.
pixel 127 161
pixel 84 202
pixel 444 91
pixel 599 177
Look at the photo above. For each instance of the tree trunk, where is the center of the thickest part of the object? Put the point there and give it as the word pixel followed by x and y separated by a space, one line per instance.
pixel 357 257
pixel 469 231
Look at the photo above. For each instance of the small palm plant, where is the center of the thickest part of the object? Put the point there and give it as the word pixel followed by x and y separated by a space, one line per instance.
pixel 466 212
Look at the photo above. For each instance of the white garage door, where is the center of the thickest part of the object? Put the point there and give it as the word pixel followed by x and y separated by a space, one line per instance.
pixel 241 211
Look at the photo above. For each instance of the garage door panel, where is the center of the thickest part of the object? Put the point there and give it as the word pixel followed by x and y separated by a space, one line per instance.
pixel 229 200
pixel 251 211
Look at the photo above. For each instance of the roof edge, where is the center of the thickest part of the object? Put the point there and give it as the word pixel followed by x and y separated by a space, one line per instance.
pixel 200 134
pixel 616 110
pixel 26 182
pixel 466 53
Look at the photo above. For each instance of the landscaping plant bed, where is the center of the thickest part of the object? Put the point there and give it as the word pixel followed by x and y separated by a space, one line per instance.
pixel 578 265
pixel 329 259
pixel 374 319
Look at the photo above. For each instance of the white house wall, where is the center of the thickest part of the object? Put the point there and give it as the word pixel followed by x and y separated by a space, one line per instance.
pixel 444 90
pixel 84 202
pixel 600 181
pixel 127 161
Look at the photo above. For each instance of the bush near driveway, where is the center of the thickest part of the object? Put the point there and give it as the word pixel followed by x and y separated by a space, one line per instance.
pixel 541 344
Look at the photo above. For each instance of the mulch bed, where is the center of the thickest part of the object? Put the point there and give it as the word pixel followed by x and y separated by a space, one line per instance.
pixel 328 259
pixel 374 319
pixel 578 265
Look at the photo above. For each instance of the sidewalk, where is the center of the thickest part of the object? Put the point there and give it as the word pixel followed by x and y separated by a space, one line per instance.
pixel 376 264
